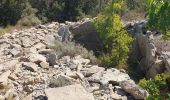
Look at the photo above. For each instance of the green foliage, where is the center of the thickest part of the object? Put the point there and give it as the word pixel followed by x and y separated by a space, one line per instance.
pixel 134 10
pixel 10 11
pixel 159 16
pixel 62 10
pixel 46 10
pixel 136 4
pixel 28 17
pixel 115 39
pixel 158 87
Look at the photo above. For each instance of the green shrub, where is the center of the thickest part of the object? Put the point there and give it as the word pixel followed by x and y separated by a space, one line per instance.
pixel 29 21
pixel 29 17
pixel 115 39
pixel 72 49
pixel 159 16
pixel 158 87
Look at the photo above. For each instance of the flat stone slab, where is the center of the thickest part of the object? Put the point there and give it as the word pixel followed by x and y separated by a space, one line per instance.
pixel 71 92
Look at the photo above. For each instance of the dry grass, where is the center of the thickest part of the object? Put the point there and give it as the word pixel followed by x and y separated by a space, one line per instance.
pixel 162 45
pixel 133 15
pixel 9 29
pixel 72 49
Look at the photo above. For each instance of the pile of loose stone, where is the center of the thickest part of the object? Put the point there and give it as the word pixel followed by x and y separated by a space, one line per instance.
pixel 29 70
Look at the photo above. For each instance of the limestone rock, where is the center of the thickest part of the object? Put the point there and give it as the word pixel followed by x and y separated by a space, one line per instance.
pixel 50 40
pixel 71 74
pixel 113 76
pixel 39 46
pixel 26 42
pixel 2 97
pixel 13 77
pixel 115 96
pixel 28 97
pixel 4 79
pixel 30 66
pixel 61 80
pixel 15 52
pixel 92 70
pixel 8 64
pixel 9 95
pixel 137 92
pixel 71 92
pixel 37 58
pixel 44 65
pixel 79 60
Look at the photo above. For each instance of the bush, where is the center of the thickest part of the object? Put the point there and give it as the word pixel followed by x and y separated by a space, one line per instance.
pixel 71 49
pixel 28 17
pixel 115 39
pixel 10 11
pixel 159 16
pixel 29 21
pixel 158 87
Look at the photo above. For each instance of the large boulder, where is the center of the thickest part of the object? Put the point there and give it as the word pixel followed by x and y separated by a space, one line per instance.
pixel 112 76
pixel 156 68
pixel 64 33
pixel 71 92
pixel 92 70
pixel 61 80
pixel 130 87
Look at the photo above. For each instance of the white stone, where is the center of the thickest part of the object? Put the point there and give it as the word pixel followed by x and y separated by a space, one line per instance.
pixel 71 92
pixel 4 79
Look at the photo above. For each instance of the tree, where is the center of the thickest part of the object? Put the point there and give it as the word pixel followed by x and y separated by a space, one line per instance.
pixel 115 39
pixel 28 17
pixel 159 16
pixel 10 11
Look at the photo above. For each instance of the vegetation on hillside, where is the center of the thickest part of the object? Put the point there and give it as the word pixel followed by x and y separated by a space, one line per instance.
pixel 158 87
pixel 115 39
pixel 159 16
pixel 31 12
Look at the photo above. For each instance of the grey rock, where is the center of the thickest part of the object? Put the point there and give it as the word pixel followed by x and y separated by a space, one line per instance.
pixel 113 76
pixel 15 52
pixel 4 79
pixel 64 33
pixel 28 88
pixel 50 40
pixel 37 58
pixel 71 92
pixel 30 66
pixel 8 64
pixel 92 70
pixel 52 59
pixel 61 80
pixel 39 46
pixel 137 92
pixel 26 41
pixel 44 65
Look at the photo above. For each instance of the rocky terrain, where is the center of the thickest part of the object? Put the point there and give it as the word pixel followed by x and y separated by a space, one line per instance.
pixel 30 70
pixel 150 51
